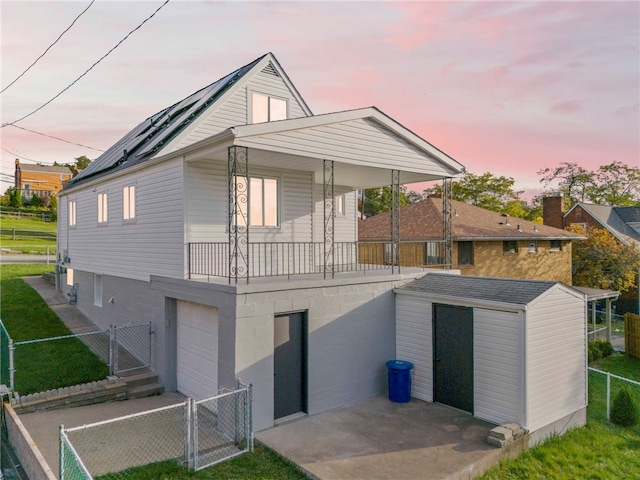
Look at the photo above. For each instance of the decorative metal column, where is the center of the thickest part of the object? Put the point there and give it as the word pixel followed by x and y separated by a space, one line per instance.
pixel 238 221
pixel 329 217
pixel 395 220
pixel 447 223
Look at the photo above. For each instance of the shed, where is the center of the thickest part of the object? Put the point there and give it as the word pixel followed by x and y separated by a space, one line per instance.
pixel 504 350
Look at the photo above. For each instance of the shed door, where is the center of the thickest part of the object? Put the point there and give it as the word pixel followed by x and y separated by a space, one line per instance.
pixel 453 356
pixel 197 350
pixel 289 366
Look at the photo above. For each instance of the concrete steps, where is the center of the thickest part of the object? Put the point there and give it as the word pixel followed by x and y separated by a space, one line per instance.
pixel 142 384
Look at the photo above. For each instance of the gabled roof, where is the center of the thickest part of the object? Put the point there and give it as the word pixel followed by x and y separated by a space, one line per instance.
pixel 54 169
pixel 148 138
pixel 423 221
pixel 489 289
pixel 617 220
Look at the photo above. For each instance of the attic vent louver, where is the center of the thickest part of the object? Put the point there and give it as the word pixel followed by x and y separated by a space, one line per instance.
pixel 269 70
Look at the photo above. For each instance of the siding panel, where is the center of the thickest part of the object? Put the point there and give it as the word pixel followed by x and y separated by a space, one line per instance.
pixel 556 346
pixel 497 366
pixel 414 342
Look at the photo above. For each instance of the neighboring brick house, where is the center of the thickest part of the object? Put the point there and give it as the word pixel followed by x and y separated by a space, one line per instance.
pixel 41 180
pixel 622 222
pixel 485 243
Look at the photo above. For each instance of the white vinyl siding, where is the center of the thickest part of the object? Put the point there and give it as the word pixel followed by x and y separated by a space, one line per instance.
pixel 497 365
pixel 207 204
pixel 234 111
pixel 154 245
pixel 414 342
pixel 345 226
pixel 352 142
pixel 556 353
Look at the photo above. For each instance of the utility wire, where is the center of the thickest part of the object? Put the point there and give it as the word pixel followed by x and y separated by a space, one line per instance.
pixel 88 70
pixel 57 138
pixel 20 156
pixel 48 48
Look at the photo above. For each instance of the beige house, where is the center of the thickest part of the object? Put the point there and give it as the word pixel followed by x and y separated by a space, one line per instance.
pixel 485 243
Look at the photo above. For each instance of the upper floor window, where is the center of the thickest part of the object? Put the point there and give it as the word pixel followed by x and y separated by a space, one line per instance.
pixel 72 213
pixel 555 245
pixel 267 109
pixel 262 199
pixel 533 246
pixel 103 205
pixel 465 253
pixel 510 246
pixel 129 203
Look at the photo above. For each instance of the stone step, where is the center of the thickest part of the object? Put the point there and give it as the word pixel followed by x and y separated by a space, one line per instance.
pixel 146 390
pixel 136 379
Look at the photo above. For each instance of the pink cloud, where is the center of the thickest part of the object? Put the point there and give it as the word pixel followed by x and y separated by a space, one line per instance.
pixel 565 107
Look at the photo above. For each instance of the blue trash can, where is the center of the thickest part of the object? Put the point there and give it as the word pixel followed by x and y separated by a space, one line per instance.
pixel 399 380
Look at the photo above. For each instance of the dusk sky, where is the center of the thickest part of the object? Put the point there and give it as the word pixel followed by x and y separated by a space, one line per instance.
pixel 505 87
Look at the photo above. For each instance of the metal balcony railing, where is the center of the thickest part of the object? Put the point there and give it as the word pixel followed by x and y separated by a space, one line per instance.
pixel 271 259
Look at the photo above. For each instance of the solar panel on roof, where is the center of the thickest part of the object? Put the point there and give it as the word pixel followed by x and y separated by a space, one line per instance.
pixel 156 131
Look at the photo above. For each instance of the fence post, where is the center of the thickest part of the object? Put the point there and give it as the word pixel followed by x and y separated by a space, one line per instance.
pixel 187 441
pixel 608 394
pixel 47 254
pixel 13 233
pixel 112 353
pixel 11 366
pixel 60 453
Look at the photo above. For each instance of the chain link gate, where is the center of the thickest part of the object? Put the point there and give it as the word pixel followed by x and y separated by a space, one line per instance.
pixel 196 434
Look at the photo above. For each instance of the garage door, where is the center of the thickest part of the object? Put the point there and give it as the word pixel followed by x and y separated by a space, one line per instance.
pixel 197 355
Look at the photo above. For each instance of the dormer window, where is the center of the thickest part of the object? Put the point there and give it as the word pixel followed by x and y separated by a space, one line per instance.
pixel 267 109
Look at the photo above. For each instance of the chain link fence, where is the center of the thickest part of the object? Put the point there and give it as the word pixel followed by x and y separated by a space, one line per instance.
pixel 34 366
pixel 193 434
pixel 603 389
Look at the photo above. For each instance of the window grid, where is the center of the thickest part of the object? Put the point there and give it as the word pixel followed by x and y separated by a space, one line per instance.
pixel 72 213
pixel 129 202
pixel 103 207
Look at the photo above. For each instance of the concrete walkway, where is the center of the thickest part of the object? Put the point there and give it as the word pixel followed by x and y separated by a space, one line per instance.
pixel 382 440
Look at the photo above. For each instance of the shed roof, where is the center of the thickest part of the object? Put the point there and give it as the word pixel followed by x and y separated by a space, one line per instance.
pixel 423 221
pixel 502 290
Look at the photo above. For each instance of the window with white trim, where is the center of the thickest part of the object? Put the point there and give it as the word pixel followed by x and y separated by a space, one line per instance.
pixel 129 203
pixel 103 205
pixel 72 213
pixel 262 196
pixel 533 246
pixel 265 108
pixel 70 277
pixel 97 290
pixel 340 205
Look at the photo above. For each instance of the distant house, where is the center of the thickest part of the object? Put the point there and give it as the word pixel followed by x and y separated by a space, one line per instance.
pixel 40 180
pixel 622 222
pixel 485 243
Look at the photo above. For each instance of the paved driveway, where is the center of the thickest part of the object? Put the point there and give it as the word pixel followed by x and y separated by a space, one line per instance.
pixel 379 439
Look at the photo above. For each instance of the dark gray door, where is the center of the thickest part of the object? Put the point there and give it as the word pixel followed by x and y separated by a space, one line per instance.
pixel 289 364
pixel 453 356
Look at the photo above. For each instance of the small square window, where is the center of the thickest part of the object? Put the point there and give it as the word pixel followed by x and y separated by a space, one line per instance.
pixel 267 109
pixel 555 245
pixel 533 246
pixel 510 246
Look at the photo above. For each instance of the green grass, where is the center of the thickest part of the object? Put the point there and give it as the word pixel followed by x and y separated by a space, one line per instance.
pixel 28 245
pixel 46 231
pixel 598 451
pixel 26 316
pixel 262 464
pixel 8 221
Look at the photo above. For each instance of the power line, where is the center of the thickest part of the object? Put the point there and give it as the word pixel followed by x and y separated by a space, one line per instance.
pixel 20 156
pixel 57 138
pixel 48 48
pixel 88 70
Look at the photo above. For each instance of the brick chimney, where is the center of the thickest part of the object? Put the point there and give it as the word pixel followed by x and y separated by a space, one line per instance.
pixel 17 176
pixel 553 210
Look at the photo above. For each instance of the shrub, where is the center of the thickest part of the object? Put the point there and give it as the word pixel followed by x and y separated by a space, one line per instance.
pixel 624 411
pixel 605 348
pixel 594 352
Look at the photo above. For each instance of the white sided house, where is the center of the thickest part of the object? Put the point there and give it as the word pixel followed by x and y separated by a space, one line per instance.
pixel 507 351
pixel 228 221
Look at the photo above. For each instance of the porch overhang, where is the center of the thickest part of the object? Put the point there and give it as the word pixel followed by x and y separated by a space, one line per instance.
pixel 364 145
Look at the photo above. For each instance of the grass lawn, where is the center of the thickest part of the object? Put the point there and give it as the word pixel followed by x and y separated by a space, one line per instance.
pixel 262 464
pixel 598 451
pixel 46 365
pixel 46 231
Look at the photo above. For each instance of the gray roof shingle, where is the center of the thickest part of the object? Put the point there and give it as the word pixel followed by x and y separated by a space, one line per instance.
pixel 518 292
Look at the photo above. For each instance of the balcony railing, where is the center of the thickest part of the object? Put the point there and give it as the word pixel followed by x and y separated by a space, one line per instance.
pixel 271 259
